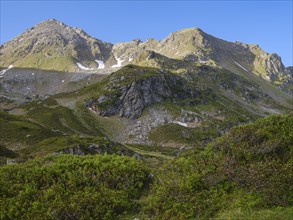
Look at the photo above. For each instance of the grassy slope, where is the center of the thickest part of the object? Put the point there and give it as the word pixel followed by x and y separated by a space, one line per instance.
pixel 47 127
pixel 275 93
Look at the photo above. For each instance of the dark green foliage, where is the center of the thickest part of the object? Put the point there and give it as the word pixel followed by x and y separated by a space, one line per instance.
pixel 249 168
pixel 71 187
pixel 271 137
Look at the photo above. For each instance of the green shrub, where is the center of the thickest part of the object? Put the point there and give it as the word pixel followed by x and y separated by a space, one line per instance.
pixel 248 169
pixel 71 187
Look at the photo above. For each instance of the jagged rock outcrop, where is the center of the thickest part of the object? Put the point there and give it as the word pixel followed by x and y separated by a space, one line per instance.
pixel 128 94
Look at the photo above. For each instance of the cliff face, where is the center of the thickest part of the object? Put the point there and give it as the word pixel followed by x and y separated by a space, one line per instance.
pixel 128 94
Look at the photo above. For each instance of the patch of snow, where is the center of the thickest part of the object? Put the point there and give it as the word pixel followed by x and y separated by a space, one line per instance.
pixel 62 81
pixel 3 71
pixel 33 74
pixel 180 123
pixel 101 64
pixel 130 59
pixel 119 63
pixel 176 53
pixel 83 67
pixel 241 66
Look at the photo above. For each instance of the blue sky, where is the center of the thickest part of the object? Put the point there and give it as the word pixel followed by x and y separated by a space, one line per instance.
pixel 267 23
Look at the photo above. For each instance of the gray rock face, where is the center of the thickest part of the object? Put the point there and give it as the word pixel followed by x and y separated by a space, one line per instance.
pixel 129 100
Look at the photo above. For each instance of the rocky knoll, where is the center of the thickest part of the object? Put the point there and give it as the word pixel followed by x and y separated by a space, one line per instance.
pixel 132 89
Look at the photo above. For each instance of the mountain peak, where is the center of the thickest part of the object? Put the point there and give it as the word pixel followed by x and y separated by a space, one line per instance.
pixel 189 30
pixel 50 23
pixel 52 44
pixel 51 20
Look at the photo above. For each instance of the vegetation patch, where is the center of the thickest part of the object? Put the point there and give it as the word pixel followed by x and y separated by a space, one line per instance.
pixel 71 187
pixel 248 169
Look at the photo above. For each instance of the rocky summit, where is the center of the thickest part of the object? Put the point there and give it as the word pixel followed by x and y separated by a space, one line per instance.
pixel 52 45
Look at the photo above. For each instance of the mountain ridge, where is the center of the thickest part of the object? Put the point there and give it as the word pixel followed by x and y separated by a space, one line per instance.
pixel 198 36
pixel 52 45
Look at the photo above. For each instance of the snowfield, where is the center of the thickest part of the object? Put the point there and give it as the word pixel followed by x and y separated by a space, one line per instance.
pixel 101 64
pixel 119 63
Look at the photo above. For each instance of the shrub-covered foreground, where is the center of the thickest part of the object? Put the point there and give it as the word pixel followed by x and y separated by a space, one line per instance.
pixel 245 174
pixel 71 187
pixel 248 169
